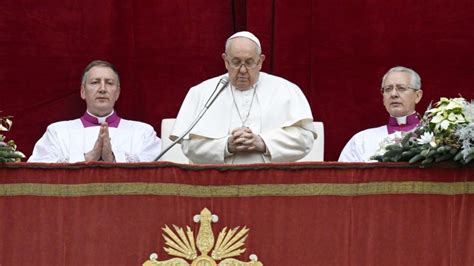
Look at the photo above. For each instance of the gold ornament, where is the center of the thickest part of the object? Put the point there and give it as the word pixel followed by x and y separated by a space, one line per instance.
pixel 180 244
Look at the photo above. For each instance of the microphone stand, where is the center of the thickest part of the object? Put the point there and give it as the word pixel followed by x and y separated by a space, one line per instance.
pixel 224 81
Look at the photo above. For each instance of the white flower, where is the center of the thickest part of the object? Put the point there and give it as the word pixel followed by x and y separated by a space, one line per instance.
pixel 444 124
pixel 469 112
pixel 426 138
pixel 455 103
pixel 437 118
pixel 381 151
pixel 448 113
pixel 394 138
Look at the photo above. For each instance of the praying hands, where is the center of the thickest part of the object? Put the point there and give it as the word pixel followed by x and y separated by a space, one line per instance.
pixel 244 140
pixel 102 150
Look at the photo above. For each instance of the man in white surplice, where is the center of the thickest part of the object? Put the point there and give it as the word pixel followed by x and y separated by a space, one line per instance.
pixel 100 134
pixel 401 91
pixel 258 118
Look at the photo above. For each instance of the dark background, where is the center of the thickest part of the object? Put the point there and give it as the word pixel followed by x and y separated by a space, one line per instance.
pixel 336 51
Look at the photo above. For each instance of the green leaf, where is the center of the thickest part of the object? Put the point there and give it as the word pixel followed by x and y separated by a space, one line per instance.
pixel 416 158
pixel 427 161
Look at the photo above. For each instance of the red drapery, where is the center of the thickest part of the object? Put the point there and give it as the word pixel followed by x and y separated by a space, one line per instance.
pixel 336 51
pixel 298 214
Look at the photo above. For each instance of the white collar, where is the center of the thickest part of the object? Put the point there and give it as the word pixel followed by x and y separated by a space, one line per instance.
pixel 101 119
pixel 402 120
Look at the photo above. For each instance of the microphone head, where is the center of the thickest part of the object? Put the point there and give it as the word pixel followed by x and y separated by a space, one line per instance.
pixel 224 80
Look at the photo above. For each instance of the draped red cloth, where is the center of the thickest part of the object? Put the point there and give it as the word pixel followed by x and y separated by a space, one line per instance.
pixel 298 214
pixel 336 51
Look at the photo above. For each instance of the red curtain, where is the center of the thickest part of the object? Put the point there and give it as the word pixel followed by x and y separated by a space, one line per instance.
pixel 336 51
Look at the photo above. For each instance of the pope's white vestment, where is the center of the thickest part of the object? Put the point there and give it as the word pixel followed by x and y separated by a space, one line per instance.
pixel 274 108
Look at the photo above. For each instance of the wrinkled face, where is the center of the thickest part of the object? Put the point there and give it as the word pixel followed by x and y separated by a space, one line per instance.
pixel 243 63
pixel 100 90
pixel 400 101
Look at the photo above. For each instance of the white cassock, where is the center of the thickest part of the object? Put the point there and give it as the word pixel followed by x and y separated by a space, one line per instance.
pixel 68 141
pixel 274 108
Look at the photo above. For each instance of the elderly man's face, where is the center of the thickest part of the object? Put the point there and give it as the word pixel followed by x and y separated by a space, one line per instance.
pixel 100 91
pixel 398 102
pixel 243 63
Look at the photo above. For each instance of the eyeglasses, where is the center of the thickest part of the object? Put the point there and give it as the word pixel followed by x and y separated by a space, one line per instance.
pixel 237 64
pixel 398 87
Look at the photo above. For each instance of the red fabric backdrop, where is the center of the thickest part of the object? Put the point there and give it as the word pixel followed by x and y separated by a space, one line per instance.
pixel 336 51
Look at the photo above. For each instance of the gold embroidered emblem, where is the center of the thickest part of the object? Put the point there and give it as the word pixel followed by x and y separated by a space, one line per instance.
pixel 182 245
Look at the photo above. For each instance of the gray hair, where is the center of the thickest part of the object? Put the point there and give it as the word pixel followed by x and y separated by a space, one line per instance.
pixel 227 45
pixel 415 78
pixel 100 63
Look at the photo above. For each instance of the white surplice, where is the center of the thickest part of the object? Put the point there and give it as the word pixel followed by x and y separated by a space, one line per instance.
pixel 68 141
pixel 363 145
pixel 366 143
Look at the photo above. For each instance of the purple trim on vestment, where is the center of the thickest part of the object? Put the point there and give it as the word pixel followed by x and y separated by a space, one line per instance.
pixel 90 121
pixel 412 121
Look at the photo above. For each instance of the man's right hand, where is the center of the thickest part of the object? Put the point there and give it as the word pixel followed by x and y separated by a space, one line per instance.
pixel 102 148
pixel 96 152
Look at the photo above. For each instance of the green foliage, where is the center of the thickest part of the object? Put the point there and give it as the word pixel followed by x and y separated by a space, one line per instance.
pixel 8 152
pixel 445 133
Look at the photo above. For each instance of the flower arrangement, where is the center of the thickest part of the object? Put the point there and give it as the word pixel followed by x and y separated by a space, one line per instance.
pixel 446 132
pixel 8 152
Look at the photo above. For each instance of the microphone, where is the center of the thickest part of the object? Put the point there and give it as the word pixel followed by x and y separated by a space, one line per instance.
pixel 221 85
pixel 223 82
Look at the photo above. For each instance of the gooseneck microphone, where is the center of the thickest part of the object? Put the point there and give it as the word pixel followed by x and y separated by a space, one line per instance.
pixel 221 85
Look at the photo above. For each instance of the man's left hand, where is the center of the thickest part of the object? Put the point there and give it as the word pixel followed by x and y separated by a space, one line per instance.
pixel 107 153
